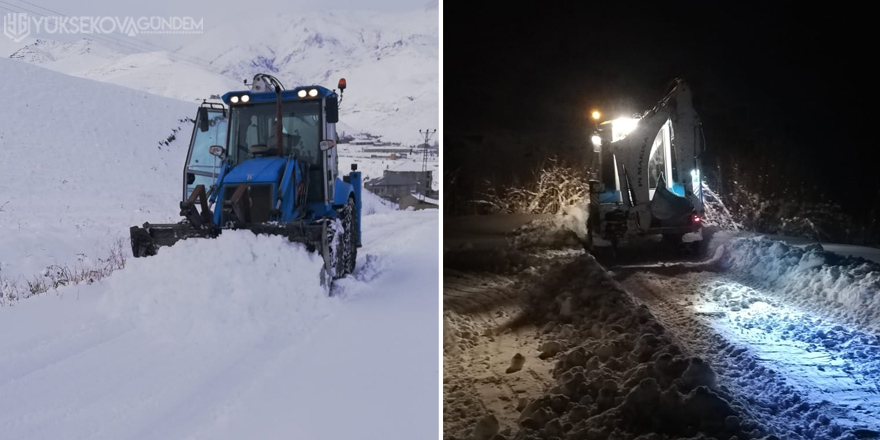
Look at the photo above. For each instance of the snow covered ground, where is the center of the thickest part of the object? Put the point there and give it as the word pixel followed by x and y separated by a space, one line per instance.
pixel 225 338
pixel 172 347
pixel 546 343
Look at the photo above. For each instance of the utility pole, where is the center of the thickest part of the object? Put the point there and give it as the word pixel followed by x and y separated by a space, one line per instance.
pixel 428 133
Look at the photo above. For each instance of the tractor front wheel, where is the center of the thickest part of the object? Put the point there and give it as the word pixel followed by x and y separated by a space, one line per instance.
pixel 345 252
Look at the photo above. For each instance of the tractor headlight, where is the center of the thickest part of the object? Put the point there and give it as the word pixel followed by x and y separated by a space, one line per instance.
pixel 301 93
pixel 313 93
pixel 245 98
pixel 234 100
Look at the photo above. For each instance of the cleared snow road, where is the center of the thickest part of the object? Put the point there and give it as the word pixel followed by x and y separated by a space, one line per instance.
pixel 234 338
pixel 798 372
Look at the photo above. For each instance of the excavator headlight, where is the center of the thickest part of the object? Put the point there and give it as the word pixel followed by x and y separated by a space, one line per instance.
pixel 301 93
pixel 234 100
pixel 245 98
pixel 313 93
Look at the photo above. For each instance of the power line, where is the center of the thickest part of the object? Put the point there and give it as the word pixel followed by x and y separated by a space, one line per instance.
pixel 130 43
pixel 427 133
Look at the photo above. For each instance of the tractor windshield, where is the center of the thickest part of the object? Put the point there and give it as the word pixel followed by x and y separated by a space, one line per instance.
pixel 254 133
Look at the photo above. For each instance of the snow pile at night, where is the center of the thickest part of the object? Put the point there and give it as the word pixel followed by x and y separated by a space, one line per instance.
pixel 559 231
pixel 846 287
pixel 617 374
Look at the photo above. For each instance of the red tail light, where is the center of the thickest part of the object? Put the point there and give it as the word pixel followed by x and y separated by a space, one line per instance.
pixel 697 219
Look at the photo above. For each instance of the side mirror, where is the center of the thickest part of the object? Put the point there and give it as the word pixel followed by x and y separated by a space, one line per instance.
pixel 332 109
pixel 203 119
pixel 326 145
pixel 218 151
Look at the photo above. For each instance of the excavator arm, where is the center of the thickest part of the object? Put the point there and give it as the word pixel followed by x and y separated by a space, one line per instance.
pixel 649 173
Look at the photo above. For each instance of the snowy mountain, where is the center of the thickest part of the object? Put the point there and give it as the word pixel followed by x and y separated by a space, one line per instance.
pixel 390 60
pixel 67 57
pixel 158 73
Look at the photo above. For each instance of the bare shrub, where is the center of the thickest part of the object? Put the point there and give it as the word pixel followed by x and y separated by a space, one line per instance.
pixel 554 187
pixel 56 276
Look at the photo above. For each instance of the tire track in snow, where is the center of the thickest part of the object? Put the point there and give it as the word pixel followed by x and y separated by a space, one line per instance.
pixel 780 390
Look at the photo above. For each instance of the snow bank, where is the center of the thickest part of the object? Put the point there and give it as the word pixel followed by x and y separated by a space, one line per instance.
pixel 557 232
pixel 238 284
pixel 617 373
pixel 373 204
pixel 847 287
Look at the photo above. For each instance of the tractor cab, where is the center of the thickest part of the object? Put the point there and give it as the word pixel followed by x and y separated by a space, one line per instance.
pixel 266 128
pixel 210 128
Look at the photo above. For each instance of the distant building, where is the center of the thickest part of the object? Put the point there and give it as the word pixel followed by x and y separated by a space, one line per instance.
pixel 389 148
pixel 393 185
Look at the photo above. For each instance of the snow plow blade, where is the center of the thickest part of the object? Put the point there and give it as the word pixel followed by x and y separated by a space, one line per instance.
pixel 146 240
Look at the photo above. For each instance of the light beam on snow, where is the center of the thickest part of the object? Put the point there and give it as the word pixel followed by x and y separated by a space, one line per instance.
pixel 821 358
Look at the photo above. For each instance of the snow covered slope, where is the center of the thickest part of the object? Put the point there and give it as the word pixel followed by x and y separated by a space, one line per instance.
pixel 80 163
pixel 155 72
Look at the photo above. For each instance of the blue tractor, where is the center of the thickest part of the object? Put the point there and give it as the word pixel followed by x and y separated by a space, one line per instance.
pixel 268 163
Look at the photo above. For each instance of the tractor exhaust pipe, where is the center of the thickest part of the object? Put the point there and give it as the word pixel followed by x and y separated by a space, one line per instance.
pixel 279 128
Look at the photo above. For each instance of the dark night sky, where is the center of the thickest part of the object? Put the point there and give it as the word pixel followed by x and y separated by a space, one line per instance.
pixel 798 76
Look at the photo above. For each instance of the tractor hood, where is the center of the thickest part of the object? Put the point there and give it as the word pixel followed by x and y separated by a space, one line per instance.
pixel 258 169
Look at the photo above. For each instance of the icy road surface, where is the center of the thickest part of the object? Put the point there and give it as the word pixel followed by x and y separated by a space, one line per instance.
pixel 234 338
